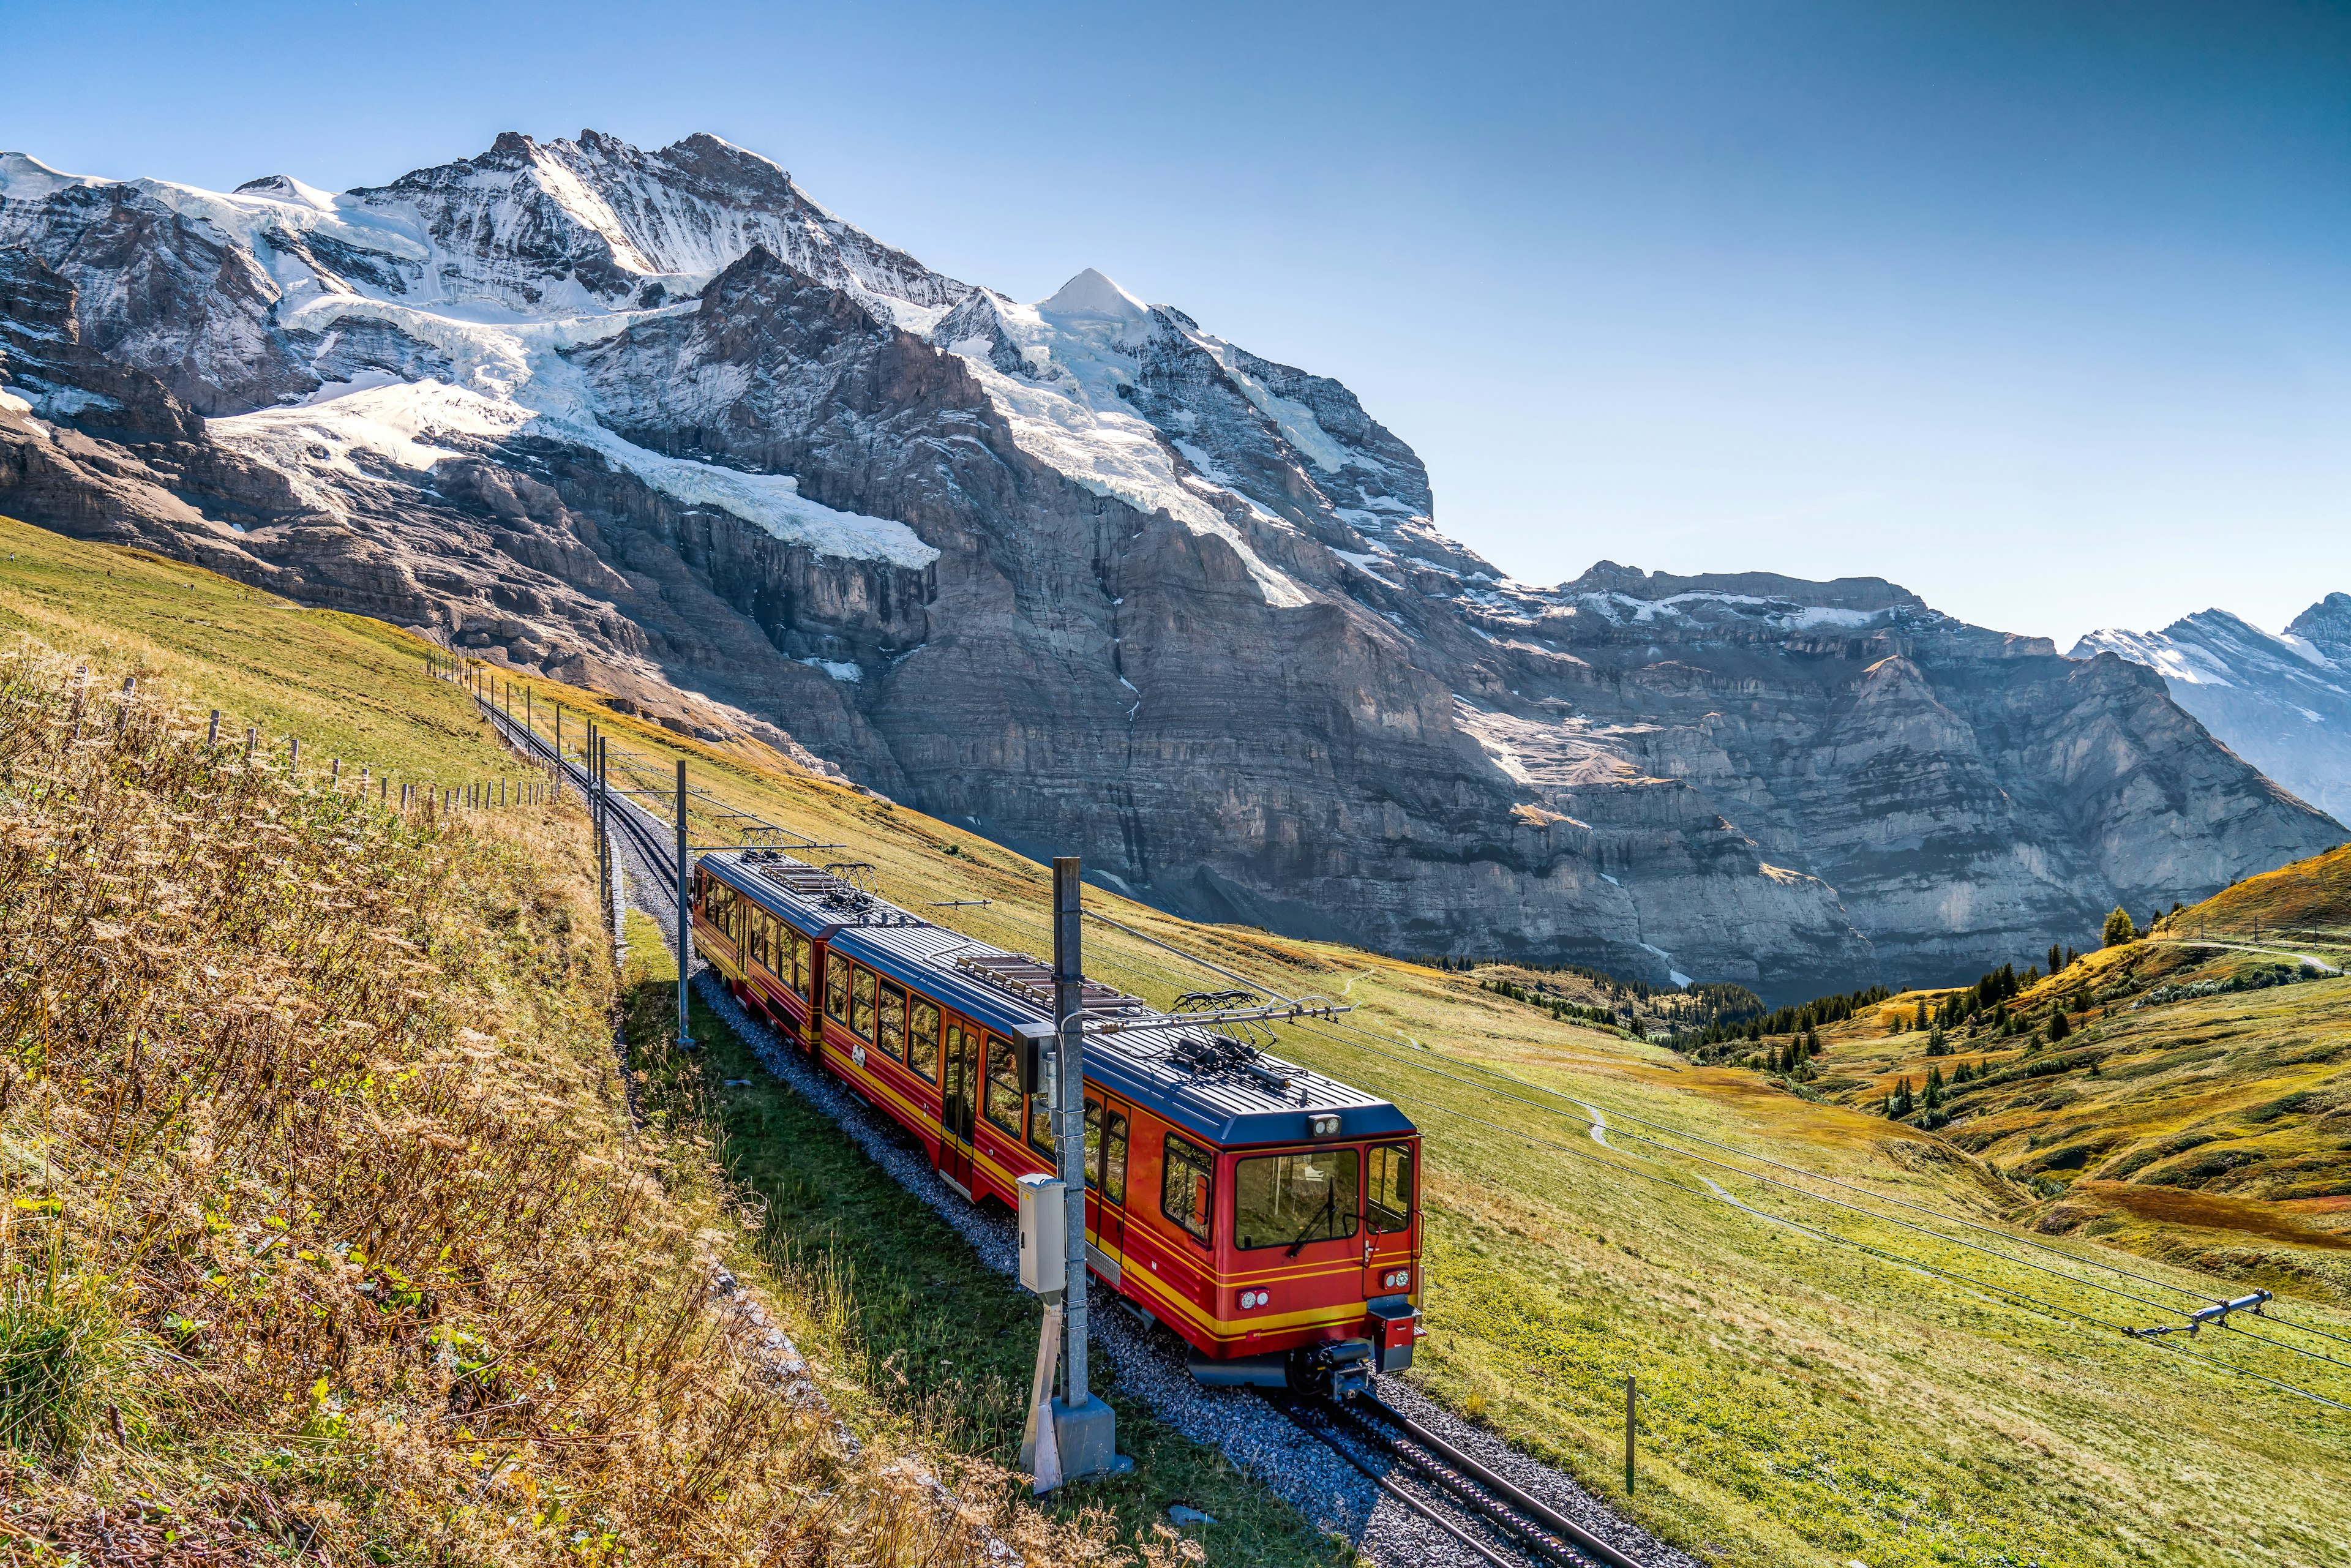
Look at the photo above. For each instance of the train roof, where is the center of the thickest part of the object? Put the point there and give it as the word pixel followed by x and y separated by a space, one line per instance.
pixel 1196 1075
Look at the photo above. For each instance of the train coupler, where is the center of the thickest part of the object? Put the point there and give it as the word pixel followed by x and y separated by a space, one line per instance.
pixel 1339 1369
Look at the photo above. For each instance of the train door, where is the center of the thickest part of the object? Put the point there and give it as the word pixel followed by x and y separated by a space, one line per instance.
pixel 1110 1126
pixel 1388 1192
pixel 958 1097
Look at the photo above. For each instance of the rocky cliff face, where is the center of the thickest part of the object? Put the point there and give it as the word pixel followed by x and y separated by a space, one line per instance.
pixel 1079 573
pixel 2281 702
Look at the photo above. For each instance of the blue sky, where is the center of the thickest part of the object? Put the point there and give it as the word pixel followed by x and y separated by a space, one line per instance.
pixel 2038 308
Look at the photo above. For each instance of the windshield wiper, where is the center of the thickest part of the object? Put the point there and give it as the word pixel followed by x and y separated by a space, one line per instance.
pixel 1330 1201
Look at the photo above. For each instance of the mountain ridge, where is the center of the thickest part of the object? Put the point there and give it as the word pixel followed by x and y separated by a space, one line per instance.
pixel 1078 573
pixel 2281 700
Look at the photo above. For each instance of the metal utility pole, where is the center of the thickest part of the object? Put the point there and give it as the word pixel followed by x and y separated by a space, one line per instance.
pixel 603 848
pixel 1629 1396
pixel 684 916
pixel 605 837
pixel 1085 1428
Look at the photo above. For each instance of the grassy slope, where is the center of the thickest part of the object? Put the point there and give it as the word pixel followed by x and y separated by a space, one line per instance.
pixel 2214 1130
pixel 498 909
pixel 1806 1403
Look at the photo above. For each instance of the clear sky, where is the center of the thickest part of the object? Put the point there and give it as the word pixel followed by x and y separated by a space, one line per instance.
pixel 2039 308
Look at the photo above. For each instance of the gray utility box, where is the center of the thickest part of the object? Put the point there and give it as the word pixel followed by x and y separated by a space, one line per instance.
pixel 1044 1235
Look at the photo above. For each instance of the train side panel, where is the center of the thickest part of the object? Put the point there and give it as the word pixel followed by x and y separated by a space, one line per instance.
pixel 1226 1301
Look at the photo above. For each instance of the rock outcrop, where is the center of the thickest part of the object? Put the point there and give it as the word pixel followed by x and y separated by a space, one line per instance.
pixel 1078 573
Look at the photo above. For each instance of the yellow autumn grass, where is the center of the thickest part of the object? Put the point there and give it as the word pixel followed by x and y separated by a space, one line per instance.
pixel 321 1219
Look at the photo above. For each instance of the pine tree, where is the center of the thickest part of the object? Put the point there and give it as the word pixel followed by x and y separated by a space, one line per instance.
pixel 2059 1027
pixel 2118 928
pixel 2053 958
pixel 1934 1088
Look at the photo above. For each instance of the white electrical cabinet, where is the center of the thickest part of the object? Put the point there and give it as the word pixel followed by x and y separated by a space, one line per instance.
pixel 1044 1234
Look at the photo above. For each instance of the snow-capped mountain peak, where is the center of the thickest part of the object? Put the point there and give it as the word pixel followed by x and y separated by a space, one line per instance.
pixel 2279 699
pixel 1091 297
pixel 288 189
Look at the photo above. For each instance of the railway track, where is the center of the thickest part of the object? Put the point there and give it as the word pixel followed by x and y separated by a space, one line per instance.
pixel 1489 1514
pixel 1492 1518
pixel 647 832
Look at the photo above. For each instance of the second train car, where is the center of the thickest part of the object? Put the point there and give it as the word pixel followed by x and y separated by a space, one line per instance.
pixel 1269 1216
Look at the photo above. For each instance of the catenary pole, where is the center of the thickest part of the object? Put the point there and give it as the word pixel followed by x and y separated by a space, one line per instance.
pixel 684 917
pixel 1070 1118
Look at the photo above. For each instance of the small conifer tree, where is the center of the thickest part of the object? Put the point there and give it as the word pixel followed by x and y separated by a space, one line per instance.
pixel 2118 928
pixel 2054 964
pixel 2059 1026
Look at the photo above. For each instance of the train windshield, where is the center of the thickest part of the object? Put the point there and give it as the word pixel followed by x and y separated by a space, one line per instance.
pixel 1290 1200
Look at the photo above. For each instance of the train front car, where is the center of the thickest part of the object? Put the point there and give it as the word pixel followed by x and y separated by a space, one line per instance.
pixel 1284 1244
pixel 1266 1214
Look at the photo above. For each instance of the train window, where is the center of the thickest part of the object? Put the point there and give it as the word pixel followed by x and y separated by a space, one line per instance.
pixel 1188 1186
pixel 1040 1125
pixel 1106 1158
pixel 1003 1103
pixel 1114 1159
pixel 836 986
pixel 1289 1200
pixel 923 1038
pixel 891 1020
pixel 860 1002
pixel 757 925
pixel 793 948
pixel 1387 1202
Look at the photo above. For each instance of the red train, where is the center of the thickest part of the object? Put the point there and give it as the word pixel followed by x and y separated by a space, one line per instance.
pixel 1269 1216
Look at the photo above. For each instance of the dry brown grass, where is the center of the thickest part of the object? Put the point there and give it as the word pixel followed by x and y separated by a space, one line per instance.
pixel 322 1227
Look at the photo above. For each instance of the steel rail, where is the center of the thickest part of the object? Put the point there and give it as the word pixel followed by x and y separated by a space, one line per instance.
pixel 1437 1465
pixel 1577 1538
pixel 1418 1505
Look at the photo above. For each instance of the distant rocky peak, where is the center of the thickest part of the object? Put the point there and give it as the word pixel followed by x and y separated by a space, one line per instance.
pixel 1868 594
pixel 2327 626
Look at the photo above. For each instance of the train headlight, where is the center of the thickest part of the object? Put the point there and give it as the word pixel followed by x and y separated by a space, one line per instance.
pixel 1398 1279
pixel 1322 1126
pixel 1255 1299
